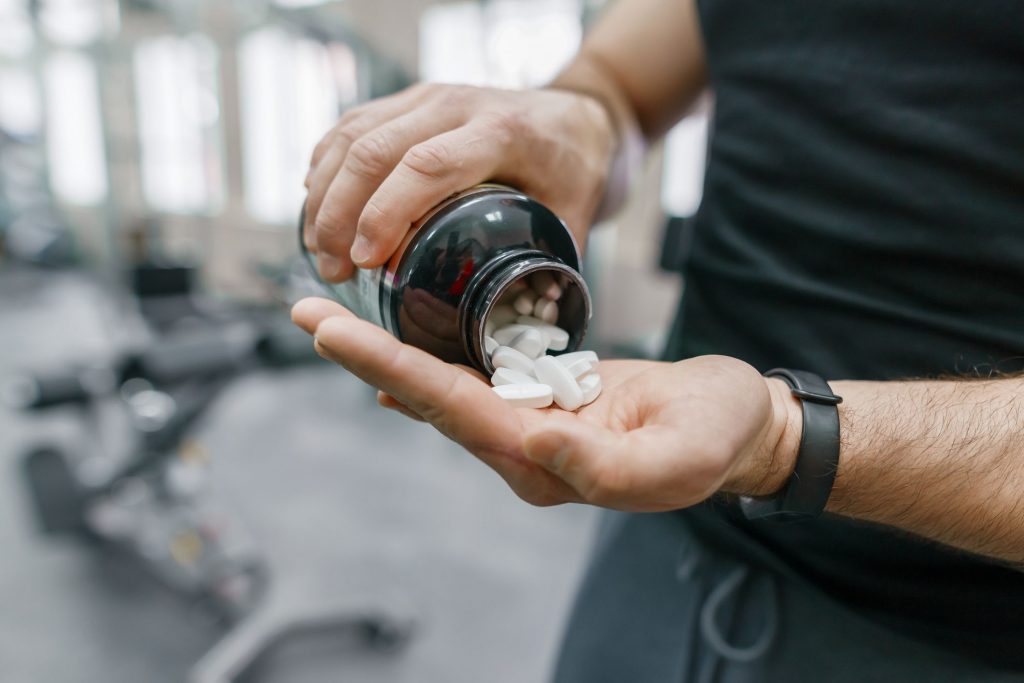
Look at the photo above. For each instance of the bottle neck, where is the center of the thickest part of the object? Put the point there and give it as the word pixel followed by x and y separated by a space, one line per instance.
pixel 489 285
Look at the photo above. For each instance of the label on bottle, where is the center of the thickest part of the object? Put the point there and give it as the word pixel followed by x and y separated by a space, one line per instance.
pixel 361 295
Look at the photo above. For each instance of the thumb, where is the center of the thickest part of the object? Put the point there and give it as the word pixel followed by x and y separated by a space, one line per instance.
pixel 580 454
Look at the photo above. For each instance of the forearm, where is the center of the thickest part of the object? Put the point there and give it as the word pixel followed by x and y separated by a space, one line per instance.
pixel 941 459
pixel 644 59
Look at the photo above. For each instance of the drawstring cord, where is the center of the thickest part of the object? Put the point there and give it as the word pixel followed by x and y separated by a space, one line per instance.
pixel 709 622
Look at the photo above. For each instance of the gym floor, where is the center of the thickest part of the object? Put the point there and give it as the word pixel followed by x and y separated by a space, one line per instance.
pixel 351 505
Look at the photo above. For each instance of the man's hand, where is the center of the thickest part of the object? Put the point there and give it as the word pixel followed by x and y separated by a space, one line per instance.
pixel 937 458
pixel 661 436
pixel 387 163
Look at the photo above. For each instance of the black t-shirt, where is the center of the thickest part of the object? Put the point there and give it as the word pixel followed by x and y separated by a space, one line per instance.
pixel 863 218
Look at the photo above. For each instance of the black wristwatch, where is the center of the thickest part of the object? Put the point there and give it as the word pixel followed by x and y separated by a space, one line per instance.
pixel 805 494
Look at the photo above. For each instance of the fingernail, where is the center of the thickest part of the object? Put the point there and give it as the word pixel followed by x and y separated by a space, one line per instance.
pixel 360 249
pixel 329 265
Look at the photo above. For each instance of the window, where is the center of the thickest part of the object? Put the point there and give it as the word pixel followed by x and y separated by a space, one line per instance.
pixel 16 37
pixel 20 112
pixel 528 41
pixel 78 167
pixel 504 43
pixel 452 44
pixel 178 124
pixel 291 90
pixel 73 22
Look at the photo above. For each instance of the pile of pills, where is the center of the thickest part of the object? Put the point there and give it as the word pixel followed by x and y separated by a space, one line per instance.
pixel 519 332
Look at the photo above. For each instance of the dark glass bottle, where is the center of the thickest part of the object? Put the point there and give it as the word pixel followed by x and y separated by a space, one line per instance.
pixel 457 262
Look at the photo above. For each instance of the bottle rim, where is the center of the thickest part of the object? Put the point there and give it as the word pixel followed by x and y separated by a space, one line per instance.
pixel 487 287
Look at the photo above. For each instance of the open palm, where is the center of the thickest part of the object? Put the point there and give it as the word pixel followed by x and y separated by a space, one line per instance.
pixel 661 435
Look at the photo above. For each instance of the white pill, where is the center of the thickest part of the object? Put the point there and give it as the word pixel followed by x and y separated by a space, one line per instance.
pixel 525 395
pixel 567 392
pixel 543 282
pixel 558 342
pixel 546 310
pixel 504 376
pixel 580 367
pixel 490 345
pixel 532 321
pixel 570 358
pixel 524 302
pixel 501 315
pixel 530 343
pixel 489 328
pixel 591 388
pixel 506 357
pixel 505 335
pixel 558 339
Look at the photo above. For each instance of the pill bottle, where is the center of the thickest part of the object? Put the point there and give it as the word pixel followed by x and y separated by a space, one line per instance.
pixel 438 289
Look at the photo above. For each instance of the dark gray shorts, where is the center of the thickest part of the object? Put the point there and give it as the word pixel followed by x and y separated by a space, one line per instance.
pixel 657 605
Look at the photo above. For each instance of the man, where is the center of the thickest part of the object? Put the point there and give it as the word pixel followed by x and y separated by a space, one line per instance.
pixel 863 219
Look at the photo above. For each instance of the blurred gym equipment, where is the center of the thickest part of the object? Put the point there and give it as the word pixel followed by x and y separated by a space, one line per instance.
pixel 151 506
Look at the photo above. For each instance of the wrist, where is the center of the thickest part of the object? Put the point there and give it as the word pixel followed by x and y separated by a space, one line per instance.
pixel 581 79
pixel 770 464
pixel 627 142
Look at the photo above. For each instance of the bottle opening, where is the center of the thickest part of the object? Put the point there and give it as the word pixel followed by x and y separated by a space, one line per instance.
pixel 504 281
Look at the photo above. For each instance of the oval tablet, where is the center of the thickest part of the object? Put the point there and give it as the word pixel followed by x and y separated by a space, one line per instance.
pixel 505 335
pixel 524 302
pixel 558 339
pixel 579 367
pixel 567 392
pixel 506 357
pixel 543 282
pixel 529 343
pixel 546 310
pixel 502 314
pixel 591 388
pixel 570 358
pixel 490 345
pixel 504 376
pixel 525 395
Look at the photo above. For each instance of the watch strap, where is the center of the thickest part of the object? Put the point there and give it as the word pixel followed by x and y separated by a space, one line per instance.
pixel 806 493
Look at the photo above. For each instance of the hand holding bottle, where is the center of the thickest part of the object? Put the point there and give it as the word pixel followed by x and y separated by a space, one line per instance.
pixel 388 162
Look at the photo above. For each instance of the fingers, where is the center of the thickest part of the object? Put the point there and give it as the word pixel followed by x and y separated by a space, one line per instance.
pixel 389 402
pixel 318 154
pixel 458 404
pixel 365 117
pixel 368 161
pixel 425 175
pixel 309 313
pixel 455 399
pixel 330 153
pixel 404 98
pixel 388 164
